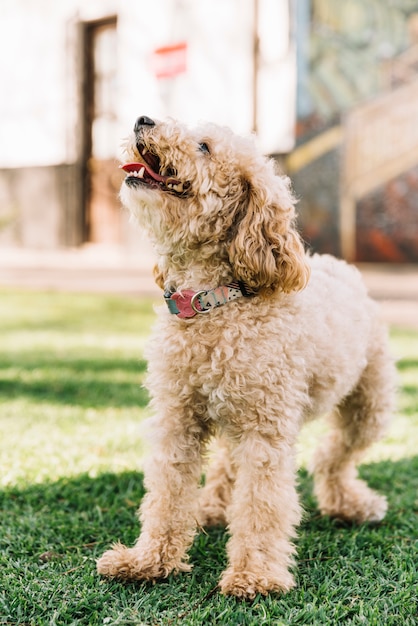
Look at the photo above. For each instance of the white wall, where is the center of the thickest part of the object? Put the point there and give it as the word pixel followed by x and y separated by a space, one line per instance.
pixel 219 79
pixel 39 105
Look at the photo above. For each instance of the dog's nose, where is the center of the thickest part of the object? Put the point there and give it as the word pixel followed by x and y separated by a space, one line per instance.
pixel 143 121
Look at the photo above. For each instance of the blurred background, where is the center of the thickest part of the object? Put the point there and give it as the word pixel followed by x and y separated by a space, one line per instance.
pixel 329 87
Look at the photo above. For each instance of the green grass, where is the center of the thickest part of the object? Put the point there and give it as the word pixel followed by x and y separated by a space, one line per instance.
pixel 70 481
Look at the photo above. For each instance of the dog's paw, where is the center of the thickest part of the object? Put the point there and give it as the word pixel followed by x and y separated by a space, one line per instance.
pixel 134 564
pixel 374 510
pixel 246 585
pixel 119 562
pixel 357 503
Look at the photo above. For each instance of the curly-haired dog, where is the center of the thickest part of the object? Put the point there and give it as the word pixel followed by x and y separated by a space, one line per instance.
pixel 257 338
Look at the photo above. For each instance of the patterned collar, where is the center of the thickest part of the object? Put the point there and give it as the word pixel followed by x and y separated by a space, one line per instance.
pixel 187 303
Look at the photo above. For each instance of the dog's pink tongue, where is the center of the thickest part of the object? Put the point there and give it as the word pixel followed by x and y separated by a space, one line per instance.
pixel 132 167
pixel 136 167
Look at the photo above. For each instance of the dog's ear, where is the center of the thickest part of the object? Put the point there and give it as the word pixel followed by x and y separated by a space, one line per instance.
pixel 159 276
pixel 266 251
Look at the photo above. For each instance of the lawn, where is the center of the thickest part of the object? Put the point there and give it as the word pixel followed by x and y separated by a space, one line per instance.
pixel 72 404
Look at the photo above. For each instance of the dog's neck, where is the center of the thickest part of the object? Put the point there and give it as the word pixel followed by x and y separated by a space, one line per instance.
pixel 197 271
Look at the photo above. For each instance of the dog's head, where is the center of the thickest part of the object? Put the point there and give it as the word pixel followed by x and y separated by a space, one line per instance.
pixel 209 193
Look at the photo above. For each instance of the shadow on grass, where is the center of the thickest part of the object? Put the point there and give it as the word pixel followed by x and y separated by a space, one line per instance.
pixel 99 362
pixel 51 534
pixel 102 509
pixel 406 364
pixel 89 382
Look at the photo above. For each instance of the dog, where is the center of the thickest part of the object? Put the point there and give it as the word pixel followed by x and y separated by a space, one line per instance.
pixel 255 337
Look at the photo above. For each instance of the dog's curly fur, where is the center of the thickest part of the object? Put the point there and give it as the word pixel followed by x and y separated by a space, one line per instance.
pixel 252 371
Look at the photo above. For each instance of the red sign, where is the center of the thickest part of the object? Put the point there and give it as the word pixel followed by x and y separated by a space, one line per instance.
pixel 170 61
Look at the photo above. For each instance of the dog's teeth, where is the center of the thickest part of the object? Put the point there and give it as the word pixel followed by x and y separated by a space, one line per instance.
pixel 141 172
pixel 170 185
pixel 145 150
pixel 178 187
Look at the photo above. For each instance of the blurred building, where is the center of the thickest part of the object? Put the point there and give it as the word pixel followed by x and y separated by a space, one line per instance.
pixel 75 74
pixel 330 85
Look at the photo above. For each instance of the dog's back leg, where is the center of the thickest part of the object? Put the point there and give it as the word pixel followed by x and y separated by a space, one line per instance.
pixel 215 496
pixel 358 421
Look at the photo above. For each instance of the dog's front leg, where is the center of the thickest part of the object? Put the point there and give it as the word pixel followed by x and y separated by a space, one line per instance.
pixel 169 510
pixel 263 515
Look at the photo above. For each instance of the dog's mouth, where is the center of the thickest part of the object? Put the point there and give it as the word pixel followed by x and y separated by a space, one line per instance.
pixel 147 172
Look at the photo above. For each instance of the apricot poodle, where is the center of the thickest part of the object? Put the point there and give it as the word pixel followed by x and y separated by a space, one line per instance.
pixel 255 337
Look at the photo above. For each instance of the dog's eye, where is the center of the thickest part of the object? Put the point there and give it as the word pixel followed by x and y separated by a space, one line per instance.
pixel 203 147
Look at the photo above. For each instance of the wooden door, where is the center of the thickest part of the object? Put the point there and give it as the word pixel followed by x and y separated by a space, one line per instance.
pixel 103 179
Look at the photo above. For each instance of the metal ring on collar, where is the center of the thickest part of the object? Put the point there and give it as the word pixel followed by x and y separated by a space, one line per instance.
pixel 193 300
